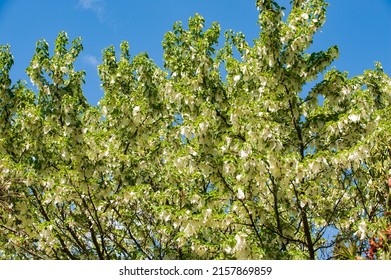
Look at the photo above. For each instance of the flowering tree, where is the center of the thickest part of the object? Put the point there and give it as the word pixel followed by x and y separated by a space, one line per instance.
pixel 181 163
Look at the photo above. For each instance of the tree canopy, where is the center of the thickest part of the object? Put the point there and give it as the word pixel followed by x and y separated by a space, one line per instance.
pixel 219 155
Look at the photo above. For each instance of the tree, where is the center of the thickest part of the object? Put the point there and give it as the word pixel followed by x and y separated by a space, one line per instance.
pixel 181 163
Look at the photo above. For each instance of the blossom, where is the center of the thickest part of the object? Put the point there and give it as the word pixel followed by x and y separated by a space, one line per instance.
pixel 354 118
pixel 362 228
pixel 203 127
pixel 240 194
pixel 189 230
pixel 136 109
pixel 185 131
pixel 243 154
pixel 241 245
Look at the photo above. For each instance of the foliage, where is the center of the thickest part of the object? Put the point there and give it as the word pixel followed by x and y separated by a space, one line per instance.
pixel 182 163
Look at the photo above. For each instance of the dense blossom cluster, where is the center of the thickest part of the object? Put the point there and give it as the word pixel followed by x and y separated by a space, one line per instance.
pixel 182 163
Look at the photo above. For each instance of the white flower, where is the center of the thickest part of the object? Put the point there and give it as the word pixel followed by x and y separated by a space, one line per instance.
pixel 233 119
pixel 136 110
pixel 240 242
pixel 352 156
pixel 240 194
pixel 271 61
pixel 104 111
pixel 195 198
pixel 189 230
pixel 50 183
pixel 228 249
pixel 354 118
pixel 243 154
pixel 186 132
pixel 165 216
pixel 203 127
pixel 228 168
pixel 236 78
pixel 362 228
pixel 180 163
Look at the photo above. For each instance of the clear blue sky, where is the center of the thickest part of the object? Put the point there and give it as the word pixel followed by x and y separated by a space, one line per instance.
pixel 360 28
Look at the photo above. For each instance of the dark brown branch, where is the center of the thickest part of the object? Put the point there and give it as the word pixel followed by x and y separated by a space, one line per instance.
pixel 306 226
pixel 253 225
pixel 98 223
pixel 45 215
pixel 275 207
pixel 139 247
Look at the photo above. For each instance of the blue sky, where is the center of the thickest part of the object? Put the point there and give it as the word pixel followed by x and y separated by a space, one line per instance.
pixel 360 28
